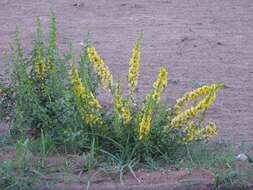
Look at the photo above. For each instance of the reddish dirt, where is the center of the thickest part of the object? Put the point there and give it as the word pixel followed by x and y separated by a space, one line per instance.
pixel 164 179
pixel 169 180
pixel 198 41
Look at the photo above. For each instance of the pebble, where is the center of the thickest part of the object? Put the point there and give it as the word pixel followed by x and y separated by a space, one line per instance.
pixel 241 157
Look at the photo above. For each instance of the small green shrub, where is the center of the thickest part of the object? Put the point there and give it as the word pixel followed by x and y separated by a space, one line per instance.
pixel 57 94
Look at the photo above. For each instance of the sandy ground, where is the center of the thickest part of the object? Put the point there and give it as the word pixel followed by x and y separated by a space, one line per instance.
pixel 199 41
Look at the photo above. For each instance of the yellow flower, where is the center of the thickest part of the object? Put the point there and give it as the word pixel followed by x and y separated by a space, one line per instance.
pixel 91 118
pixel 93 102
pixel 100 67
pixel 76 81
pixel 145 125
pixel 134 65
pixel 126 115
pixel 207 102
pixel 39 63
pixel 121 109
pixel 192 133
pixel 88 105
pixel 209 131
pixel 194 95
pixel 40 70
pixel 183 117
pixel 160 84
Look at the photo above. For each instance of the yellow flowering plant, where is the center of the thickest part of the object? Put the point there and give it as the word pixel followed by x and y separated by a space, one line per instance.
pixel 187 116
pixel 56 93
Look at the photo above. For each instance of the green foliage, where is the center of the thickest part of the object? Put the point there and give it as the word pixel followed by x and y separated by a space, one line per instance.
pixel 53 98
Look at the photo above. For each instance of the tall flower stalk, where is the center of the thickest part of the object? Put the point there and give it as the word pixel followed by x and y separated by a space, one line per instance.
pixel 121 107
pixel 100 67
pixel 184 117
pixel 145 124
pixel 134 67
pixel 52 46
pixel 153 98
pixel 194 95
pixel 160 84
pixel 39 61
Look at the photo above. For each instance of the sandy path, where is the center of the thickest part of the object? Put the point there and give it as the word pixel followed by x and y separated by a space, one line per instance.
pixel 199 41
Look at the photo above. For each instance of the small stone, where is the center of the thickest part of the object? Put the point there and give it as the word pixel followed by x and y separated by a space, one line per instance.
pixel 241 157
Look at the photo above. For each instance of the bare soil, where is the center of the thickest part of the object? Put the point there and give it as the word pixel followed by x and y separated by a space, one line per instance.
pixel 160 180
pixel 169 179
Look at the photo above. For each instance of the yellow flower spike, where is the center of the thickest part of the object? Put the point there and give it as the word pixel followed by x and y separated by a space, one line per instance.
pixel 121 109
pixel 209 131
pixel 100 67
pixel 76 81
pixel 152 98
pixel 183 117
pixel 40 69
pixel 81 92
pixel 39 61
pixel 85 99
pixel 134 65
pixel 93 102
pixel 193 95
pixel 145 125
pixel 160 84
pixel 192 133
pixel 126 115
